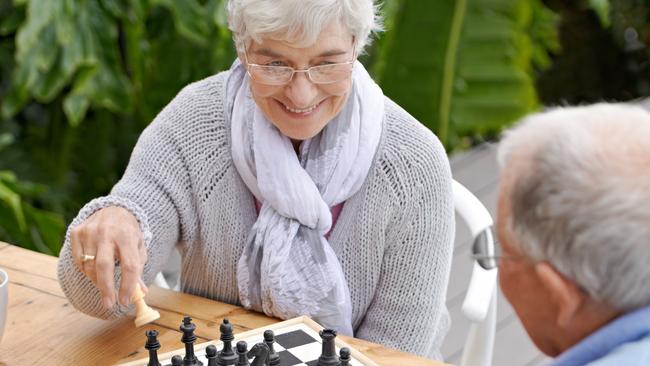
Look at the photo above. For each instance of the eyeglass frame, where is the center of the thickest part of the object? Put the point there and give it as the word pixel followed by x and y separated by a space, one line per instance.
pixel 294 71
pixel 484 251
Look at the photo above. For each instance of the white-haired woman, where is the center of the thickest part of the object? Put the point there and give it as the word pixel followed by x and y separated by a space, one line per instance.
pixel 289 184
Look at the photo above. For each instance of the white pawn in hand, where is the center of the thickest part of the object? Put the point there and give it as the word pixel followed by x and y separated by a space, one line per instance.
pixel 143 313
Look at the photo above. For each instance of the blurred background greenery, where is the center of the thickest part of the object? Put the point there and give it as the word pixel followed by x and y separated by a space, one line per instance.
pixel 80 79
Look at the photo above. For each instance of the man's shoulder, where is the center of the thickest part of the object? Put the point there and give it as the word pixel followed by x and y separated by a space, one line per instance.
pixel 636 353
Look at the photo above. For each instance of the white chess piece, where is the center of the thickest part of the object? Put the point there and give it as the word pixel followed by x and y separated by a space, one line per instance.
pixel 143 313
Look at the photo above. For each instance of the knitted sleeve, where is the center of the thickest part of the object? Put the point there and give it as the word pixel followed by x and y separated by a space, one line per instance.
pixel 156 189
pixel 408 311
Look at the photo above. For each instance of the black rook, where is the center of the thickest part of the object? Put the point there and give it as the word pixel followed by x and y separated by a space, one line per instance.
pixel 328 357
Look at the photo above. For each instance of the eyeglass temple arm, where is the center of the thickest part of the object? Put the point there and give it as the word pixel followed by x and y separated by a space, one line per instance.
pixel 482 284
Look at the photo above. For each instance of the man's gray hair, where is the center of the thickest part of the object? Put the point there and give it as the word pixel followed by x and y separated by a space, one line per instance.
pixel 301 21
pixel 581 197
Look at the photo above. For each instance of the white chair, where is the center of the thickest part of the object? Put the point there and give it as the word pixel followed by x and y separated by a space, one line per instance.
pixel 479 306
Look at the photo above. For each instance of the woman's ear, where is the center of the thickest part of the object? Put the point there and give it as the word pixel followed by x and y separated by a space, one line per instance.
pixel 564 294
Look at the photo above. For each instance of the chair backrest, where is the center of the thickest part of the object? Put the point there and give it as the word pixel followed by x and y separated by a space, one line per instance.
pixel 479 305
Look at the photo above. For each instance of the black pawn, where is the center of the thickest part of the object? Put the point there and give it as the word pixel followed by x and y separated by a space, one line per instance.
pixel 328 356
pixel 227 356
pixel 177 360
pixel 242 354
pixel 269 340
pixel 152 346
pixel 211 355
pixel 344 356
pixel 188 328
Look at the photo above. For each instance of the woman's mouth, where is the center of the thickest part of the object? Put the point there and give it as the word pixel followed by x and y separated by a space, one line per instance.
pixel 302 112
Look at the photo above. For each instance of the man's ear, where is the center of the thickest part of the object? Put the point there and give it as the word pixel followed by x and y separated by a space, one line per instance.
pixel 564 294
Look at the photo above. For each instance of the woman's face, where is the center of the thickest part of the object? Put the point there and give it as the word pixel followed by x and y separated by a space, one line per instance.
pixel 301 109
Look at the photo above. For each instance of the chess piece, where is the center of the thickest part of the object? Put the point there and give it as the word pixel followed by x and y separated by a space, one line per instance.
pixel 177 360
pixel 227 356
pixel 187 327
pixel 143 313
pixel 152 345
pixel 211 355
pixel 344 356
pixel 242 354
pixel 328 355
pixel 269 340
pixel 261 353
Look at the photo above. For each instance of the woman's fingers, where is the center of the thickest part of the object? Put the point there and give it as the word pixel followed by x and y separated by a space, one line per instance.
pixel 111 235
pixel 131 272
pixel 75 248
pixel 104 273
pixel 132 260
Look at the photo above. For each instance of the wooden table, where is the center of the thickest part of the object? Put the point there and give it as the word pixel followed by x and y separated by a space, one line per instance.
pixel 44 329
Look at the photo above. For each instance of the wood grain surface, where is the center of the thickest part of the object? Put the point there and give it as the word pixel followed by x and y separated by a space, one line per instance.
pixel 44 329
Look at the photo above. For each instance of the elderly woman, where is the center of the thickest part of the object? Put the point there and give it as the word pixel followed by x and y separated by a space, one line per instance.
pixel 290 185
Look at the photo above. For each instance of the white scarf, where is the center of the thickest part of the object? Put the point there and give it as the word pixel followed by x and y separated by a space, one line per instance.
pixel 288 268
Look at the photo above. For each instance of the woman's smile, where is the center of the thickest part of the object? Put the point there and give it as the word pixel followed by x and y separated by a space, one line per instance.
pixel 300 113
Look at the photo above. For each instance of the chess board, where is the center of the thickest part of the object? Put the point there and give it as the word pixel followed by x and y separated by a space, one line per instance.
pixel 296 341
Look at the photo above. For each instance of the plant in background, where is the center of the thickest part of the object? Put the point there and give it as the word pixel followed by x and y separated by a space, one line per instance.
pixel 24 223
pixel 79 80
pixel 604 52
pixel 464 68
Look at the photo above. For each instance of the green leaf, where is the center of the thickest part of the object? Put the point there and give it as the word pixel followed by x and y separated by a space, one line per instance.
pixel 472 69
pixel 13 201
pixel 47 230
pixel 6 139
pixel 114 7
pixel 75 107
pixel 601 7
pixel 219 15
pixel 189 18
pixel 10 22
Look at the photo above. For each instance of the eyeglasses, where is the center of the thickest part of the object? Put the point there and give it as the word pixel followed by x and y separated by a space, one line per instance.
pixel 281 75
pixel 487 252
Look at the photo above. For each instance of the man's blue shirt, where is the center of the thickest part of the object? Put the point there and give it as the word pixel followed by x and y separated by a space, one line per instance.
pixel 624 341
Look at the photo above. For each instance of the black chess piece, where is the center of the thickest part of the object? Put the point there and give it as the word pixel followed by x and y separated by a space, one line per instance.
pixel 269 340
pixel 187 327
pixel 242 354
pixel 328 356
pixel 177 360
pixel 261 353
pixel 227 356
pixel 344 356
pixel 211 354
pixel 152 346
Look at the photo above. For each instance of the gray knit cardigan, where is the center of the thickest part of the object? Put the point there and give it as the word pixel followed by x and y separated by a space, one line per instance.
pixel 394 237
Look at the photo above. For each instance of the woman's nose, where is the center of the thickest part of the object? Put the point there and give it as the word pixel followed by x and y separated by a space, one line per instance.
pixel 301 91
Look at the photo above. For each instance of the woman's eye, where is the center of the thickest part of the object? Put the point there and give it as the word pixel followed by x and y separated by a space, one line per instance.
pixel 276 63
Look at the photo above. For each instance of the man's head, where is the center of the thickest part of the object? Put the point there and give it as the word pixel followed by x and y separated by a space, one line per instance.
pixel 573 220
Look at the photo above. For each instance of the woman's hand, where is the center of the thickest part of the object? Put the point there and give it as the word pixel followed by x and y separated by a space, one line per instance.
pixel 113 236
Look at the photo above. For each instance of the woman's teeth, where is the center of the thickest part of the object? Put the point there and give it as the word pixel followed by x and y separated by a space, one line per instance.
pixel 304 110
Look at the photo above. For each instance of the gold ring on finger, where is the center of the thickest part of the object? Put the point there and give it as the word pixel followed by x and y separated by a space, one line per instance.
pixel 87 257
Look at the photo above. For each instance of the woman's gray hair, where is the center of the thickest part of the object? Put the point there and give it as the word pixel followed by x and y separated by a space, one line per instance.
pixel 581 197
pixel 301 21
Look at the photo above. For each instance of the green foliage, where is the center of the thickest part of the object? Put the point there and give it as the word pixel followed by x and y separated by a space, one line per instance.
pixel 34 228
pixel 464 67
pixel 604 52
pixel 80 79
